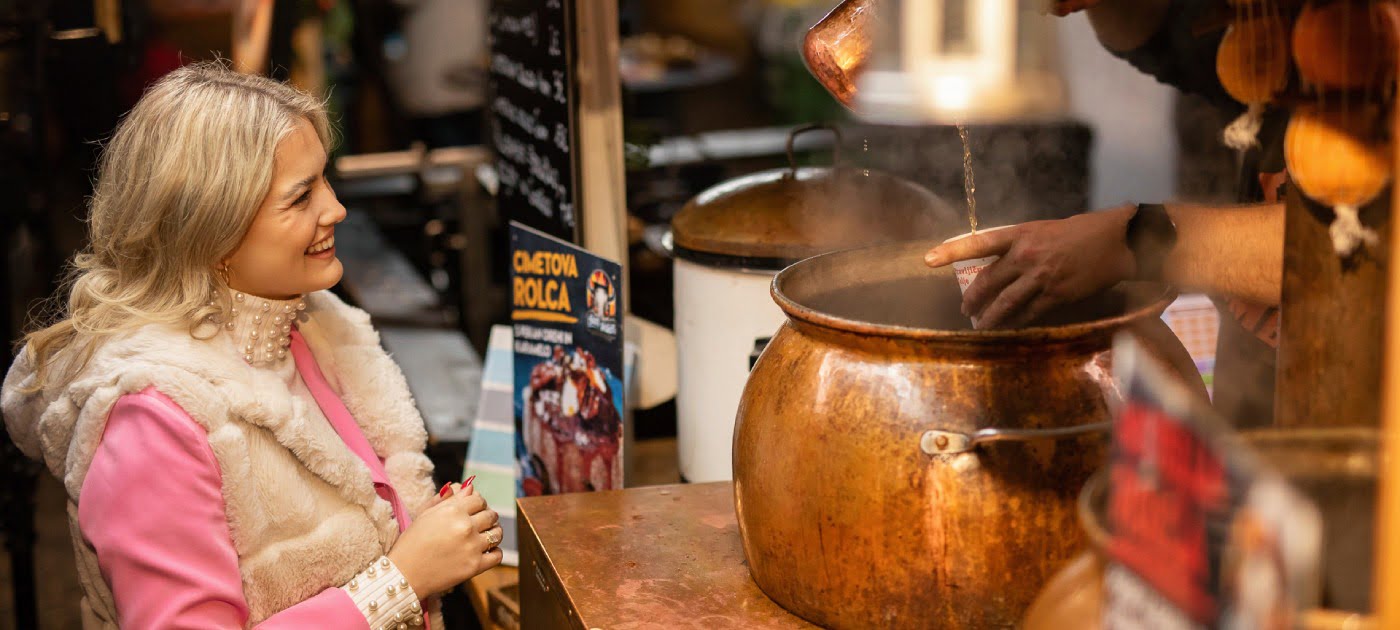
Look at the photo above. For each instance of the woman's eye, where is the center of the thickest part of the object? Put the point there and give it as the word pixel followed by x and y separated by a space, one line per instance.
pixel 306 196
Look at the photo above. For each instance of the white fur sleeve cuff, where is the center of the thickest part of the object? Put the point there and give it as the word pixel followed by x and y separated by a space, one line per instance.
pixel 384 597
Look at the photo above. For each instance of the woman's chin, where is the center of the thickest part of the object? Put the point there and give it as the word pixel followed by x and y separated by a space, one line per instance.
pixel 326 277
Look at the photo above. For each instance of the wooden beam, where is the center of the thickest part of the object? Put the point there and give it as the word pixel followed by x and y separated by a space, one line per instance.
pixel 1329 326
pixel 603 192
pixel 1385 593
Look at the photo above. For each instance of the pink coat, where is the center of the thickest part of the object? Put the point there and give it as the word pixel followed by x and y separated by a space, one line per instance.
pixel 152 507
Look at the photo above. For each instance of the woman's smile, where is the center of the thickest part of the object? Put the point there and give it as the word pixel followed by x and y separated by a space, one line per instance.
pixel 324 248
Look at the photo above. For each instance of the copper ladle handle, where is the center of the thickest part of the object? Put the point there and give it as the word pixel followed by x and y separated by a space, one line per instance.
pixel 936 442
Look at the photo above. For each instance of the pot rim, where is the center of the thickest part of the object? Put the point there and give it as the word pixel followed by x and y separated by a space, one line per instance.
pixel 1158 302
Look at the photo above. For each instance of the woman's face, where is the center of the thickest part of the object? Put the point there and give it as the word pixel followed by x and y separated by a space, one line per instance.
pixel 290 248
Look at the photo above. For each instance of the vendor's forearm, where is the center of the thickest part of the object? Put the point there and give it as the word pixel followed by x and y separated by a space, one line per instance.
pixel 1124 25
pixel 1235 251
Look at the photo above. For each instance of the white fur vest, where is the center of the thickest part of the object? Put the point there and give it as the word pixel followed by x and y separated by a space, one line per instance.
pixel 301 507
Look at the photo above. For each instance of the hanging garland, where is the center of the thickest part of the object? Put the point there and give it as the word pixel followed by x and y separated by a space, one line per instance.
pixel 1252 63
pixel 1335 158
pixel 1336 146
pixel 1341 45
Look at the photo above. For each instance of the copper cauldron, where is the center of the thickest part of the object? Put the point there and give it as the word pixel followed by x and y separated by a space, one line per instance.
pixel 730 241
pixel 894 468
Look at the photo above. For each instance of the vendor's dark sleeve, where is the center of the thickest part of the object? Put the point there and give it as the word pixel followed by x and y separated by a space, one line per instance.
pixel 1177 57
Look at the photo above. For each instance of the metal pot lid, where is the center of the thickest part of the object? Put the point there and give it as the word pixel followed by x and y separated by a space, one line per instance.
pixel 791 214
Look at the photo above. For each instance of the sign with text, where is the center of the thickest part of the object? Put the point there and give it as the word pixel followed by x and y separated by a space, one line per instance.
pixel 1201 534
pixel 532 113
pixel 568 366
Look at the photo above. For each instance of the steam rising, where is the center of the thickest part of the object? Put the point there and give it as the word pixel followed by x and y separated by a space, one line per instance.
pixel 1024 171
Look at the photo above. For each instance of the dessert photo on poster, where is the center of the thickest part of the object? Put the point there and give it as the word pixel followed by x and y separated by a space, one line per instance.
pixel 568 365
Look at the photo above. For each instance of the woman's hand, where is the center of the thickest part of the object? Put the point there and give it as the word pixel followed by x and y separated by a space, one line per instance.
pixel 447 491
pixel 448 543
pixel 1043 264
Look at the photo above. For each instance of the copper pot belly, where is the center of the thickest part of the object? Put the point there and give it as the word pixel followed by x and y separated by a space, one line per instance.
pixel 886 469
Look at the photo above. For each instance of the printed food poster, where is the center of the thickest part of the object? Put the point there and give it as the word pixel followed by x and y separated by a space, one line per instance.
pixel 1201 533
pixel 568 364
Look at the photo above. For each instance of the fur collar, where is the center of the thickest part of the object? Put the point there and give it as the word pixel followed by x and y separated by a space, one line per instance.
pixel 63 424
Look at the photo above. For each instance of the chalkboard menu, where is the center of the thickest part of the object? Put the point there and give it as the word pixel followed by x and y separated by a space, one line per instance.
pixel 532 113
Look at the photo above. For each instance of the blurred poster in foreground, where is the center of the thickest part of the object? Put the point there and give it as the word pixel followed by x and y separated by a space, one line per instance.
pixel 1202 535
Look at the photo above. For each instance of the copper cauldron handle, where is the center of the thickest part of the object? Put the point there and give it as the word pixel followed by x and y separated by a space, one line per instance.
pixel 947 442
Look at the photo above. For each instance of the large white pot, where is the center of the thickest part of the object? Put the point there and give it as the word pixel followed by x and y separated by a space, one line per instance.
pixel 721 314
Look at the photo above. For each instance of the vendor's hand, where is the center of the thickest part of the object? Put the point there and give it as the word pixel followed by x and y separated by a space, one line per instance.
pixel 1042 264
pixel 448 544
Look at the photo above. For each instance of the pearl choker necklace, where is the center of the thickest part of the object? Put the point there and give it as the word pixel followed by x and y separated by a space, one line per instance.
pixel 262 328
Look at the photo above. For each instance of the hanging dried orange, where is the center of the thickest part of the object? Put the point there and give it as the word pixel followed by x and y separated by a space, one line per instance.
pixel 1252 61
pixel 1342 45
pixel 1337 156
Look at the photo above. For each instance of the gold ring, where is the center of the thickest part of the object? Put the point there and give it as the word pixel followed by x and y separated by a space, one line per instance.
pixel 491 539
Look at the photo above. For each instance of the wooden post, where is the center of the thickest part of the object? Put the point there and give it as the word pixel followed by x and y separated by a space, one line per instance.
pixel 603 194
pixel 1386 578
pixel 1385 587
pixel 1330 322
pixel 107 15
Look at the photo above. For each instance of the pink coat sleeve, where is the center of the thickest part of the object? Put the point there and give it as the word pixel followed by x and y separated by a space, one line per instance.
pixel 152 508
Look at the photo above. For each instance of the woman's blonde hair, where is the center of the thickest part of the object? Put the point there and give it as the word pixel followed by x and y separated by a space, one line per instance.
pixel 178 184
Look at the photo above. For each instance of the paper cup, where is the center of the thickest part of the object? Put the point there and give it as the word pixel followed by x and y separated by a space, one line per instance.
pixel 966 270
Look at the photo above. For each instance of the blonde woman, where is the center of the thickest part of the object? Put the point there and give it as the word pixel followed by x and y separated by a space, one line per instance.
pixel 237 449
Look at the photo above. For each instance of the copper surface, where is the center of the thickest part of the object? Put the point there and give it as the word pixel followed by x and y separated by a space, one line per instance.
pixel 791 214
pixel 845 520
pixel 836 48
pixel 656 557
pixel 1073 598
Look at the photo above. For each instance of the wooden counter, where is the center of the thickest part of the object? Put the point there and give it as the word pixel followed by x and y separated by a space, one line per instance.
pixel 654 557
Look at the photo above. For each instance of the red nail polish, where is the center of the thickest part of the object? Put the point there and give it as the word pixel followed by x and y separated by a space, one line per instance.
pixel 468 482
pixel 446 490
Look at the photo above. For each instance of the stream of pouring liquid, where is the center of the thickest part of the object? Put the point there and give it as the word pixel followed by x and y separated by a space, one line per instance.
pixel 969 186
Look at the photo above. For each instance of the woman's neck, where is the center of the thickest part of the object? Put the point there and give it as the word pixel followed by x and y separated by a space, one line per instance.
pixel 261 327
pixel 260 296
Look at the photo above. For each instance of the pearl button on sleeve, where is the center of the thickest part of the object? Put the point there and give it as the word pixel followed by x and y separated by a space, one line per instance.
pixel 384 597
